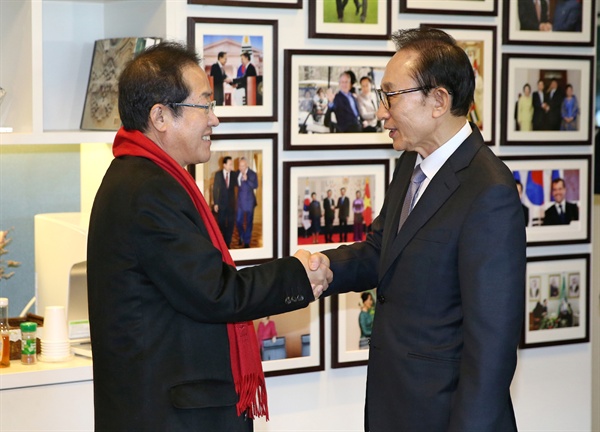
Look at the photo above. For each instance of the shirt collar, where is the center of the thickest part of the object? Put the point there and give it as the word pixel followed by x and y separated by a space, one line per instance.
pixel 432 164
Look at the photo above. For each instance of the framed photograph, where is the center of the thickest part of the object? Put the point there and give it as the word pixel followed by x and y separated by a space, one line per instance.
pixel 351 322
pixel 247 218
pixel 240 59
pixel 546 100
pixel 361 19
pixel 287 4
pixel 318 112
pixel 555 194
pixel 452 7
pixel 549 22
pixel 561 313
pixel 331 202
pixel 292 342
pixel 479 42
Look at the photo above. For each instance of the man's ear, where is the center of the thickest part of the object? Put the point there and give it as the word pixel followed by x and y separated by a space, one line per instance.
pixel 160 115
pixel 442 101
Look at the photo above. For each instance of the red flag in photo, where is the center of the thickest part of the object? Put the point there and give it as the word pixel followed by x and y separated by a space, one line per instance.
pixel 368 212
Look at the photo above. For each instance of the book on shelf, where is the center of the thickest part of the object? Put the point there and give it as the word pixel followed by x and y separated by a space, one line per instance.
pixel 101 108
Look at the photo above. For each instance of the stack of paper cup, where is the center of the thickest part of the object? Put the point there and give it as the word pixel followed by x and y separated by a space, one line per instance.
pixel 56 346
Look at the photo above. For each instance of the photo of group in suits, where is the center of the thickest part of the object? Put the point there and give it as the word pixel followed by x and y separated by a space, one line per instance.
pixel 234 65
pixel 547 100
pixel 334 209
pixel 235 199
pixel 557 306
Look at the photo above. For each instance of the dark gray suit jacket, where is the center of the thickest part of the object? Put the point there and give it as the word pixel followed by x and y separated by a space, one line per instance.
pixel 450 289
pixel 160 297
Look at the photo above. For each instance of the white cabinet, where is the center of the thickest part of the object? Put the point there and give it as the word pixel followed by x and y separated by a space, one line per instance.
pixel 45 56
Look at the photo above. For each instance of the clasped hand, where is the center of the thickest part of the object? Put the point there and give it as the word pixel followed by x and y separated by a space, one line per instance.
pixel 317 269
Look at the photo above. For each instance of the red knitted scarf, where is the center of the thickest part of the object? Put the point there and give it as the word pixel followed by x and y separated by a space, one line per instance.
pixel 246 365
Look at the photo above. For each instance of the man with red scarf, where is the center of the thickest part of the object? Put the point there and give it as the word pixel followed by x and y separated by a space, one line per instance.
pixel 173 345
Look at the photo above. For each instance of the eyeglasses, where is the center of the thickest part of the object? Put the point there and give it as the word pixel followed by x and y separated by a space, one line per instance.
pixel 384 96
pixel 209 108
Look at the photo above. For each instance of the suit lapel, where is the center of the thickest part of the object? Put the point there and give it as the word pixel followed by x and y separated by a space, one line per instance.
pixel 441 187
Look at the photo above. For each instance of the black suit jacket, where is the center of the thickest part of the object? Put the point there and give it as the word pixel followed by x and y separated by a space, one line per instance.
pixel 218 80
pixel 343 208
pixel 329 207
pixel 159 300
pixel 539 114
pixel 346 120
pixel 528 17
pixel 441 357
pixel 224 196
pixel 571 214
pixel 242 81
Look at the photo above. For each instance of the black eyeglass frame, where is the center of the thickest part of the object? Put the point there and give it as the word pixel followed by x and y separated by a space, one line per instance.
pixel 210 107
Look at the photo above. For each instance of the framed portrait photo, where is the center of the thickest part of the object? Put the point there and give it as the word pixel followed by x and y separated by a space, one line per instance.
pixel 479 42
pixel 546 100
pixel 331 202
pixel 362 19
pixel 555 194
pixel 240 59
pixel 292 342
pixel 549 22
pixel 287 4
pixel 318 112
pixel 243 199
pixel 452 7
pixel 560 313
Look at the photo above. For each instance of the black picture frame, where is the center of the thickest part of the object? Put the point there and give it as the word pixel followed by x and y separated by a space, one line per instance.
pixel 566 319
pixel 301 131
pixel 252 102
pixel 261 152
pixel 536 174
pixel 521 26
pixel 521 69
pixel 361 26
pixel 447 7
pixel 271 4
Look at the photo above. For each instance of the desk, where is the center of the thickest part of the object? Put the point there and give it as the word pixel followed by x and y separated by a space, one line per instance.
pixel 47 396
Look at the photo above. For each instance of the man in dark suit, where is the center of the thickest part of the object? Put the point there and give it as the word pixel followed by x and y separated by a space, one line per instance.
pixel 217 71
pixel 343 104
pixel 554 100
pixel 224 198
pixel 539 113
pixel 343 206
pixel 533 15
pixel 440 359
pixel 162 286
pixel 249 70
pixel 561 212
pixel 246 201
pixel 329 207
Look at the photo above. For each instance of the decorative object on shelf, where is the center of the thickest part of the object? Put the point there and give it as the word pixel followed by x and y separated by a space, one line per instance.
pixel 315 75
pixel 547 183
pixel 557 299
pixel 101 109
pixel 450 7
pixel 361 20
pixel 562 22
pixel 240 59
pixel 260 154
pixel 561 89
pixel 6 264
pixel 479 42
pixel 271 4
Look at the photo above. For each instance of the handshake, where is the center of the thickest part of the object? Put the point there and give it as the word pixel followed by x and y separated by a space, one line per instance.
pixel 317 270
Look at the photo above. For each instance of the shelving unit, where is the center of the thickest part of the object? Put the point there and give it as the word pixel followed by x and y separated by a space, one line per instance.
pixel 46 51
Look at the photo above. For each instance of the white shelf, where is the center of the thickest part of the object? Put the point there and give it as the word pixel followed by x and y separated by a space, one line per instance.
pixel 47 48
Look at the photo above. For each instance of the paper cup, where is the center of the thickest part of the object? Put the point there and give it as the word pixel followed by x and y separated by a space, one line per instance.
pixel 55 324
